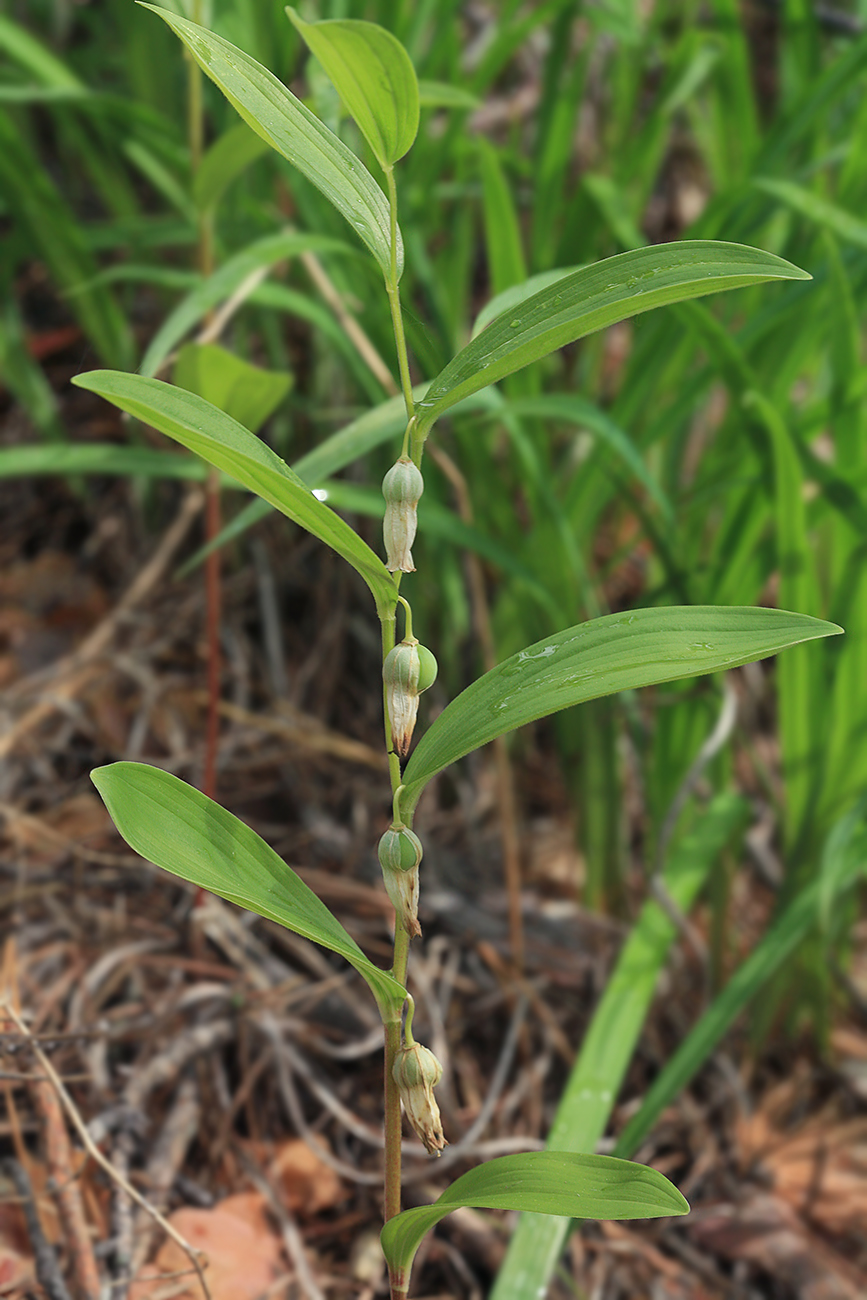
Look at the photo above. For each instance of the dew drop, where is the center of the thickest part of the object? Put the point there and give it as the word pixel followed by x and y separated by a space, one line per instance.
pixel 513 324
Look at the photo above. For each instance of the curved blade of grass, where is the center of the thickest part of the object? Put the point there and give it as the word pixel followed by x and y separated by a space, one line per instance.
pixel 224 443
pixel 591 299
pixel 442 94
pixel 223 283
pixel 547 1182
pixel 278 117
pixel 830 216
pixel 618 652
pixel 39 209
pixel 609 1043
pixel 226 160
pixel 181 830
pixel 373 75
pixel 99 458
pixel 31 54
pixel 781 940
pixel 575 410
pixel 247 393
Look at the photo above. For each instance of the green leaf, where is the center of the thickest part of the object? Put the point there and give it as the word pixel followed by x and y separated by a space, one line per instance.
pixel 227 158
pixel 591 1091
pixel 547 1182
pixel 517 294
pixel 373 75
pixel 246 393
pixel 591 299
pixel 226 444
pixel 179 829
pixel 223 283
pixel 618 652
pixel 279 118
pixel 442 94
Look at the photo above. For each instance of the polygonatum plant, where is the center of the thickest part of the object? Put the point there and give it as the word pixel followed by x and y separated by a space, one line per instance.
pixel 173 825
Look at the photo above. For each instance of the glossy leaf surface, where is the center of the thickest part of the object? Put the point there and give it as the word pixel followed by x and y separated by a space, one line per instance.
pixel 618 652
pixel 547 1182
pixel 373 75
pixel 275 114
pixel 591 299
pixel 179 829
pixel 223 442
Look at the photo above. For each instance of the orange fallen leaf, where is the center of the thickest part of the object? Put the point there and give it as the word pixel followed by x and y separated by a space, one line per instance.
pixel 243 1253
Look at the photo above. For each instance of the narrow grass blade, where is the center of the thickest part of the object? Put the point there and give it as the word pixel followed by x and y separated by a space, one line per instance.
pixel 547 1182
pixel 179 829
pixel 278 117
pixel 615 653
pixel 373 75
pixel 610 1041
pixel 223 283
pixel 589 300
pixel 226 160
pixel 829 216
pixel 780 941
pixel 226 444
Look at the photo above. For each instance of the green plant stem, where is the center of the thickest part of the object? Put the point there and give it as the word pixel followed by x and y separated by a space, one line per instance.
pixel 391 1205
pixel 391 285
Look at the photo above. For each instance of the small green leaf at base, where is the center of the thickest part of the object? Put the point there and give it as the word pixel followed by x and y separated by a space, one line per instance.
pixel 179 829
pixel 546 1182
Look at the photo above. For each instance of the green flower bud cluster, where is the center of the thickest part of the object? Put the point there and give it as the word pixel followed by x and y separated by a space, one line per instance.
pixel 408 670
pixel 400 853
pixel 402 488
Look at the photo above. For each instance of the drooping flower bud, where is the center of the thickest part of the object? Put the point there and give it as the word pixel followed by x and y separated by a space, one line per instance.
pixel 416 1072
pixel 408 670
pixel 400 853
pixel 402 488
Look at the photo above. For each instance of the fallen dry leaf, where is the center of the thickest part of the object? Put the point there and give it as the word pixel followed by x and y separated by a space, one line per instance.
pixel 308 1184
pixel 243 1253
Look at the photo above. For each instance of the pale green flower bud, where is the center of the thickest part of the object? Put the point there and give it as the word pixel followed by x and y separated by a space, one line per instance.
pixel 400 853
pixel 402 488
pixel 416 1072
pixel 408 670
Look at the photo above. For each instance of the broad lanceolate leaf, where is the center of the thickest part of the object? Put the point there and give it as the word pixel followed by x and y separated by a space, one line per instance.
pixel 374 76
pixel 548 1182
pixel 618 652
pixel 223 442
pixel 275 114
pixel 591 299
pixel 179 829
